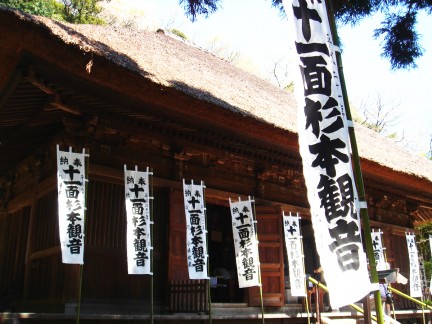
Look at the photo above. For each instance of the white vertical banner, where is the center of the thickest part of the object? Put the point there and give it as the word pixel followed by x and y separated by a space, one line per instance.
pixel 71 180
pixel 245 243
pixel 139 243
pixel 378 250
pixel 415 277
pixel 196 230
pixel 430 243
pixel 325 150
pixel 430 286
pixel 293 244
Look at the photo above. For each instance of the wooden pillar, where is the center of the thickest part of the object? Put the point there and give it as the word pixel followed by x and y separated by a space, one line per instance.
pixel 30 236
pixel 367 310
pixel 29 251
pixel 317 305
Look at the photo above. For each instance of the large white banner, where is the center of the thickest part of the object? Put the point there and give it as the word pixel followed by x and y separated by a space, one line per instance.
pixel 71 179
pixel 138 229
pixel 415 277
pixel 196 230
pixel 430 246
pixel 293 244
pixel 245 243
pixel 378 250
pixel 325 150
pixel 430 242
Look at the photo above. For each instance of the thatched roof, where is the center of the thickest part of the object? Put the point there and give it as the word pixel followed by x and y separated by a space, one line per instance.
pixel 174 64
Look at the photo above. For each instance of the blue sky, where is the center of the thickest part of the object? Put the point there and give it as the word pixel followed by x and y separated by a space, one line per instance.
pixel 257 31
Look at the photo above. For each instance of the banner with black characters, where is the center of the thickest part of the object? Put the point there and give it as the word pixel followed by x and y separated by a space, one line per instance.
pixel 196 230
pixel 415 276
pixel 378 250
pixel 293 244
pixel 139 243
pixel 430 243
pixel 245 243
pixel 71 183
pixel 430 249
pixel 325 151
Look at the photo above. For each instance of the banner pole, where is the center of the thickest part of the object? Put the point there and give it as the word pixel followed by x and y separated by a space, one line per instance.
pixel 79 294
pixel 208 261
pixel 385 260
pixel 304 271
pixel 422 300
pixel 357 169
pixel 150 174
pixel 209 297
pixel 261 298
pixel 86 161
pixel 259 268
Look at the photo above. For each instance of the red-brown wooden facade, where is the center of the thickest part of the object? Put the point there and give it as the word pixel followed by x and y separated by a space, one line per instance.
pixel 48 99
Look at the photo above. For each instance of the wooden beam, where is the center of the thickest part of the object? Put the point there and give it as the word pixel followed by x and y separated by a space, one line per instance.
pixel 55 101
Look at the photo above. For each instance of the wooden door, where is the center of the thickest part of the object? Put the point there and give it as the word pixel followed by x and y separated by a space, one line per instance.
pixel 177 269
pixel 270 236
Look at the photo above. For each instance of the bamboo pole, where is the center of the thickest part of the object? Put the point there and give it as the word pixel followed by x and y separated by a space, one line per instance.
pixel 304 271
pixel 79 294
pixel 259 267
pixel 385 260
pixel 261 298
pixel 86 162
pixel 421 303
pixel 400 293
pixel 152 251
pixel 307 305
pixel 423 314
pixel 209 296
pixel 357 169
pixel 208 263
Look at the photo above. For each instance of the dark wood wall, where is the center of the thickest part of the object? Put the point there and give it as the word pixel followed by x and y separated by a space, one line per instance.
pixel 31 235
pixel 13 246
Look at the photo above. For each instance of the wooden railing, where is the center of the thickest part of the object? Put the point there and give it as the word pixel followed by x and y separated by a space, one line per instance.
pixel 189 296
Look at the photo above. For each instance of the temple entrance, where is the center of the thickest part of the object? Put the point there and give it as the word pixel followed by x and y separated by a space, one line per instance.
pixel 223 272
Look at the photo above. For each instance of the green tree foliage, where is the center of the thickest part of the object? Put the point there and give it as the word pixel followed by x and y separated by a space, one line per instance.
pixel 47 8
pixel 73 11
pixel 193 8
pixel 178 33
pixel 398 30
pixel 82 11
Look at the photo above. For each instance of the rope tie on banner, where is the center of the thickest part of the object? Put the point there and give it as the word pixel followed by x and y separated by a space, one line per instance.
pixel 350 123
pixel 336 48
pixel 374 286
pixel 362 204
